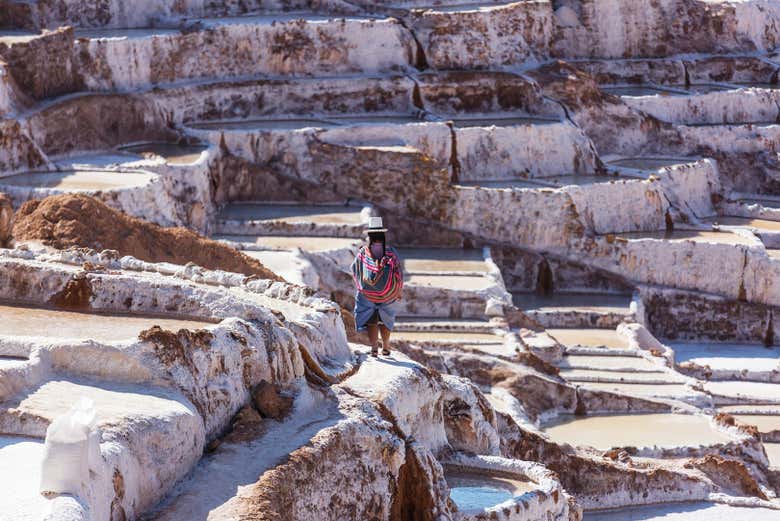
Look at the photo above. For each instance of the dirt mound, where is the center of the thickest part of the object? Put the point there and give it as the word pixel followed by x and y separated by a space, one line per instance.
pixel 73 220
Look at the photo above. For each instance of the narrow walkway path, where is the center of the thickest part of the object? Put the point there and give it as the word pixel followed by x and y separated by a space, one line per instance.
pixel 220 476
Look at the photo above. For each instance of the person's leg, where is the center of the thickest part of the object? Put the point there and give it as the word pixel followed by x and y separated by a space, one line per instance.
pixel 385 339
pixel 373 337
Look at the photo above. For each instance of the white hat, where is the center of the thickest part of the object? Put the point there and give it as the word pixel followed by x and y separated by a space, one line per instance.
pixel 375 225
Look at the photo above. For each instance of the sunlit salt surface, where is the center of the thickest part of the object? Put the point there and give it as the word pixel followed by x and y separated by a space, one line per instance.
pixel 640 389
pixel 78 180
pixel 773 453
pixel 172 153
pixel 762 408
pixel 634 363
pixel 11 361
pixel 20 478
pixel 589 337
pixel 759 224
pixel 50 323
pixel 442 260
pixel 475 492
pixel 457 8
pixel 735 357
pixel 635 430
pixel 445 336
pixel 692 235
pixel 585 375
pixel 586 180
pixel 769 392
pixel 685 512
pixel 10 37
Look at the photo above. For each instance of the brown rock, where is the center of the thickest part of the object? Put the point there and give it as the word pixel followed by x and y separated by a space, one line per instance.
pixel 270 401
pixel 6 220
pixel 247 425
pixel 76 294
pixel 730 475
pixel 74 220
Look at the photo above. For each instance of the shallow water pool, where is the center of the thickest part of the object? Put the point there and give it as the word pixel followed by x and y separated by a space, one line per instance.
pixel 475 492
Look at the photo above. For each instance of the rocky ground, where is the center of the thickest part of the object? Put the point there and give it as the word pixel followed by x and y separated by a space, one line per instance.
pixel 584 195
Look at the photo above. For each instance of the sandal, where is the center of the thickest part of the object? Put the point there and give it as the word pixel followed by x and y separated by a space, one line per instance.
pixel 385 351
pixel 374 351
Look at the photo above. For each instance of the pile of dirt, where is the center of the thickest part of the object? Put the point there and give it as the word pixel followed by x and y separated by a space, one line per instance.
pixel 74 220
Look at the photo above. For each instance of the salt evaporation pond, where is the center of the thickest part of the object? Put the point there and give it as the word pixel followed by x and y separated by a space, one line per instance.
pixel 764 422
pixel 699 511
pixel 172 153
pixel 77 180
pixel 649 163
pixel 442 260
pixel 49 323
pixel 318 214
pixel 473 492
pixel 589 337
pixel 290 242
pixel 635 430
pixel 691 235
pixel 749 222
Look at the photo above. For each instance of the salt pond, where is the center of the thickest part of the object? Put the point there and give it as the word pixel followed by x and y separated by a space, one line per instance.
pixel 50 323
pixel 476 491
pixel 635 430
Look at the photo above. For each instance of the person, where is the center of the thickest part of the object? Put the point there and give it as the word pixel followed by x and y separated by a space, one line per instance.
pixel 379 281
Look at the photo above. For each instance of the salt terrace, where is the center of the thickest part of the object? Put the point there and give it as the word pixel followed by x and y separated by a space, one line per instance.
pixel 584 194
